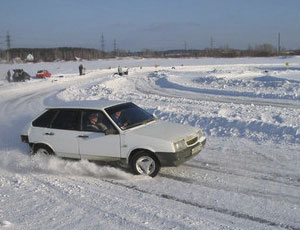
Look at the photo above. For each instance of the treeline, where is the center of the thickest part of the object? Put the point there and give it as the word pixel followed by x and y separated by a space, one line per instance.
pixel 265 50
pixel 53 54
pixel 73 53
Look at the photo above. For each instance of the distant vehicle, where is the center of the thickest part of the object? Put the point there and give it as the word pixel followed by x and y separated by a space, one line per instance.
pixel 43 73
pixel 18 75
pixel 113 131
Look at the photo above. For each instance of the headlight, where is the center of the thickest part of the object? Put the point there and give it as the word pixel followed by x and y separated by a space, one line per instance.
pixel 179 145
pixel 199 133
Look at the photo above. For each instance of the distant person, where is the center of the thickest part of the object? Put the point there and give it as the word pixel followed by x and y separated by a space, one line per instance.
pixel 8 76
pixel 120 72
pixel 80 69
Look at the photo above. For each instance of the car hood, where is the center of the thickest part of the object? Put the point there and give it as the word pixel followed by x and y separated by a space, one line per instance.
pixel 165 130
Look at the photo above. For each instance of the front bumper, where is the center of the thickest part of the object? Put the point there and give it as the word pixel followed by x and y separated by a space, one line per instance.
pixel 174 159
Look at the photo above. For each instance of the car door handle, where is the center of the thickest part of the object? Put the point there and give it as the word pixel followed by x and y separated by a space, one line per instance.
pixel 49 134
pixel 83 136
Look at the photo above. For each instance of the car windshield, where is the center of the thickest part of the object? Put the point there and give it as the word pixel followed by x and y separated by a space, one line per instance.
pixel 129 115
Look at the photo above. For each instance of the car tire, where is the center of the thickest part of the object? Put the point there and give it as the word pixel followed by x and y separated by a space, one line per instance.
pixel 42 150
pixel 145 163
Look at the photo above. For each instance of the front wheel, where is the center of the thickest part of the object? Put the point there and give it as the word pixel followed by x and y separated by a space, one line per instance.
pixel 144 163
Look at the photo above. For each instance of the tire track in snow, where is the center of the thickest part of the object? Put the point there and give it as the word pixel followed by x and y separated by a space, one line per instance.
pixel 161 86
pixel 210 207
pixel 248 192
pixel 62 192
pixel 291 182
pixel 14 114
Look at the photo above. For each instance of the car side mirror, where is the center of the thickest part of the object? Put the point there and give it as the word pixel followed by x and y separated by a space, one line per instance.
pixel 111 132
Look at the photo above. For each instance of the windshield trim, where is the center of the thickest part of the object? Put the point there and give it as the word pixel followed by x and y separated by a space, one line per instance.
pixel 140 123
pixel 124 121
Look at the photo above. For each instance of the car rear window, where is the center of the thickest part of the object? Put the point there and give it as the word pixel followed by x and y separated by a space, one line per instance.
pixel 67 120
pixel 45 119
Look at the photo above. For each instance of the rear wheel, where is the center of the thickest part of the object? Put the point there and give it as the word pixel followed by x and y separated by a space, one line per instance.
pixel 145 163
pixel 42 150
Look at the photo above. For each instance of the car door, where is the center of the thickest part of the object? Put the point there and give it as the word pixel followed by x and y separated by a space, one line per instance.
pixel 98 144
pixel 63 133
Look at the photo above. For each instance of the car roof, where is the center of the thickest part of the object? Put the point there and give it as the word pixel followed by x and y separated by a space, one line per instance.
pixel 91 104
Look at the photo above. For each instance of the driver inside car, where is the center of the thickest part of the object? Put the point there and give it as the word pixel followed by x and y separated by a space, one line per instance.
pixel 118 119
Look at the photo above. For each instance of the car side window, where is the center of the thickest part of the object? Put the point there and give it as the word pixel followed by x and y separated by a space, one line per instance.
pixel 96 121
pixel 67 119
pixel 45 119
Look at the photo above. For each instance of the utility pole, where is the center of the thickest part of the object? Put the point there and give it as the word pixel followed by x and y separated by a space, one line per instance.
pixel 115 47
pixel 1 48
pixel 102 45
pixel 8 40
pixel 185 46
pixel 1 39
pixel 8 43
pixel 279 48
pixel 211 43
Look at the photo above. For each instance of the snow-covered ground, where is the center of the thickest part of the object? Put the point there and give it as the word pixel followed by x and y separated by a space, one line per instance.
pixel 247 176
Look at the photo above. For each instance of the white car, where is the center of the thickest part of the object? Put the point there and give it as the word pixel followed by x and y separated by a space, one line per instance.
pixel 113 131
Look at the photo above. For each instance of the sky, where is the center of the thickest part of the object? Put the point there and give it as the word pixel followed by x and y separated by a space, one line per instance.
pixel 149 24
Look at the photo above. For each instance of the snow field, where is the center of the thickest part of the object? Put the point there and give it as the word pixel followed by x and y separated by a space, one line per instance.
pixel 247 177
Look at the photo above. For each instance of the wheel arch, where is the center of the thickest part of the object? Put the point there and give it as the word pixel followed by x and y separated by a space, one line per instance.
pixel 35 146
pixel 137 150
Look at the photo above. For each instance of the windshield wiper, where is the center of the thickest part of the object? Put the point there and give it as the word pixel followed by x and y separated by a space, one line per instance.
pixel 149 120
